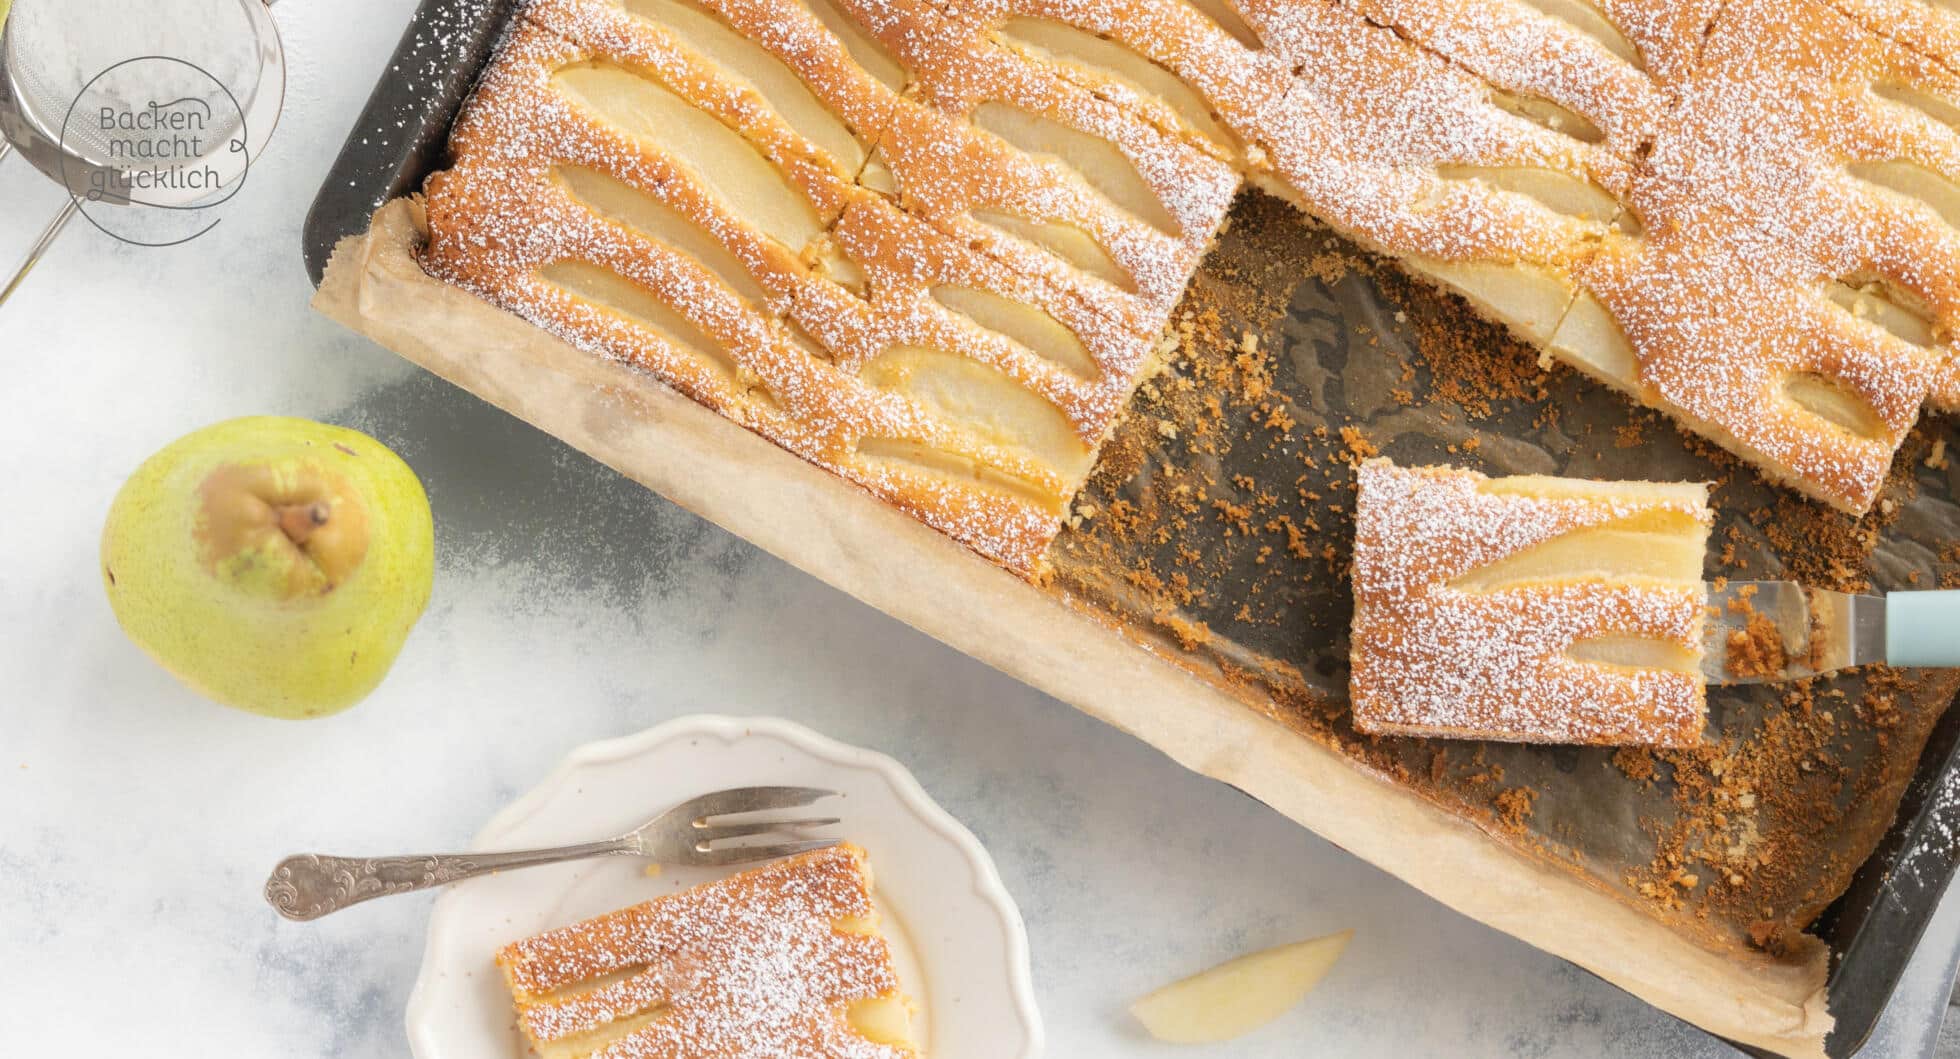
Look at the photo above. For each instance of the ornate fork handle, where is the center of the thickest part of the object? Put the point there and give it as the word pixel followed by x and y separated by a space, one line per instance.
pixel 311 885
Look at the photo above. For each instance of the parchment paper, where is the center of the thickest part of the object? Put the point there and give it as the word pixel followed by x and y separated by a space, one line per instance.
pixel 1234 705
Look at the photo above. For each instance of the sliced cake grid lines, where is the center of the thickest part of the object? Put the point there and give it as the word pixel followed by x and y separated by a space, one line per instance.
pixel 961 227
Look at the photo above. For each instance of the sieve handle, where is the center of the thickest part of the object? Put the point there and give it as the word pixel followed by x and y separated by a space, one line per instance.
pixel 40 247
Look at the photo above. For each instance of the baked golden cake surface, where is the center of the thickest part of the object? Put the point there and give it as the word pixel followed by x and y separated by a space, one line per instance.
pixel 932 247
pixel 1928 26
pixel 742 205
pixel 741 266
pixel 1527 609
pixel 782 960
pixel 1416 156
pixel 1000 133
pixel 1795 291
pixel 1198 72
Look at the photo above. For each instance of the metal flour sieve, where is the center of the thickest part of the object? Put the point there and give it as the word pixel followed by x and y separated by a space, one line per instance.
pixel 64 61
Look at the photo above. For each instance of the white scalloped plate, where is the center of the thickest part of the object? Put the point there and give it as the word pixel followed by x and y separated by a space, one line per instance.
pixel 958 941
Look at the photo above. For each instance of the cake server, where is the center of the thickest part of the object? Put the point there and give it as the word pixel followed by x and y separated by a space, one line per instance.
pixel 1764 631
pixel 693 833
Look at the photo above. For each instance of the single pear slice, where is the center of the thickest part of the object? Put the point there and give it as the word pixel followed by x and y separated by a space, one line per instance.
pixel 275 565
pixel 1238 996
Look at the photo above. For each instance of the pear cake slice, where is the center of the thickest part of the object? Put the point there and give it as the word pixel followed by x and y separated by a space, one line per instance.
pixel 1528 609
pixel 1196 71
pixel 1037 169
pixel 781 960
pixel 1775 286
pixel 1414 157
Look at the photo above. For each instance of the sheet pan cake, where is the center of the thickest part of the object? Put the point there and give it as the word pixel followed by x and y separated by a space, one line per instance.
pixel 931 247
pixel 934 248
pixel 781 960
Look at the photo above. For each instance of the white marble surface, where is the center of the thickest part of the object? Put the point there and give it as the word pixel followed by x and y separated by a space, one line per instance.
pixel 570 605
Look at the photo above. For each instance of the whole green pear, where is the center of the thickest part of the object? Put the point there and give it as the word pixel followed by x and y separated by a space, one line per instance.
pixel 272 564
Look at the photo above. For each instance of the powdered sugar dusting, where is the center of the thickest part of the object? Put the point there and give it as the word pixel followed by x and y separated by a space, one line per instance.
pixel 1432 659
pixel 753 965
pixel 1931 28
pixel 1752 213
pixel 1736 212
pixel 497 219
pixel 1939 838
pixel 1360 139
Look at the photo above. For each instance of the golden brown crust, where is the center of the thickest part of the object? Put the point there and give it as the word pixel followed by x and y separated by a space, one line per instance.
pixel 1408 154
pixel 1434 656
pixel 1618 71
pixel 948 166
pixel 944 167
pixel 1712 290
pixel 758 963
pixel 791 364
pixel 1237 82
pixel 1926 26
pixel 1752 213
pixel 789 31
pixel 1755 209
pixel 1369 103
pixel 1680 222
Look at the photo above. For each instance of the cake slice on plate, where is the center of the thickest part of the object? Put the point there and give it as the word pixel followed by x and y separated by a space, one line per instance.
pixel 785 959
pixel 1528 609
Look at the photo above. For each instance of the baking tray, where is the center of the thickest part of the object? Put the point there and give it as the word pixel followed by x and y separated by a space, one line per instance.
pixel 1218 526
pixel 399 139
pixel 403 130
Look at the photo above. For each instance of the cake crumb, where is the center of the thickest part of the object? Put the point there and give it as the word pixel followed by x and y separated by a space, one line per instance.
pixel 1358 444
pixel 1514 807
pixel 1636 763
pixel 1756 649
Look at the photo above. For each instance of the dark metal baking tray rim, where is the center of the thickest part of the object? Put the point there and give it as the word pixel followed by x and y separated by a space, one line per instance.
pixel 1872 929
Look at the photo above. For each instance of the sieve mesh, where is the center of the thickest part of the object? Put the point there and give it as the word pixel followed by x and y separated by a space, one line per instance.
pixel 63 62
pixel 57 49
pixel 44 106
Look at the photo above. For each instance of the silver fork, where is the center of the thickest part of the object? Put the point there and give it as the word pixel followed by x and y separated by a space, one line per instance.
pixel 311 885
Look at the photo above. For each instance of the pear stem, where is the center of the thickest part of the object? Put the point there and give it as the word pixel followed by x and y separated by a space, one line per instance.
pixel 298 521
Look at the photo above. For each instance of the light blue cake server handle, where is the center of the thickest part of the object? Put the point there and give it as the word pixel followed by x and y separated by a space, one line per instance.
pixel 1922 628
pixel 1823 631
